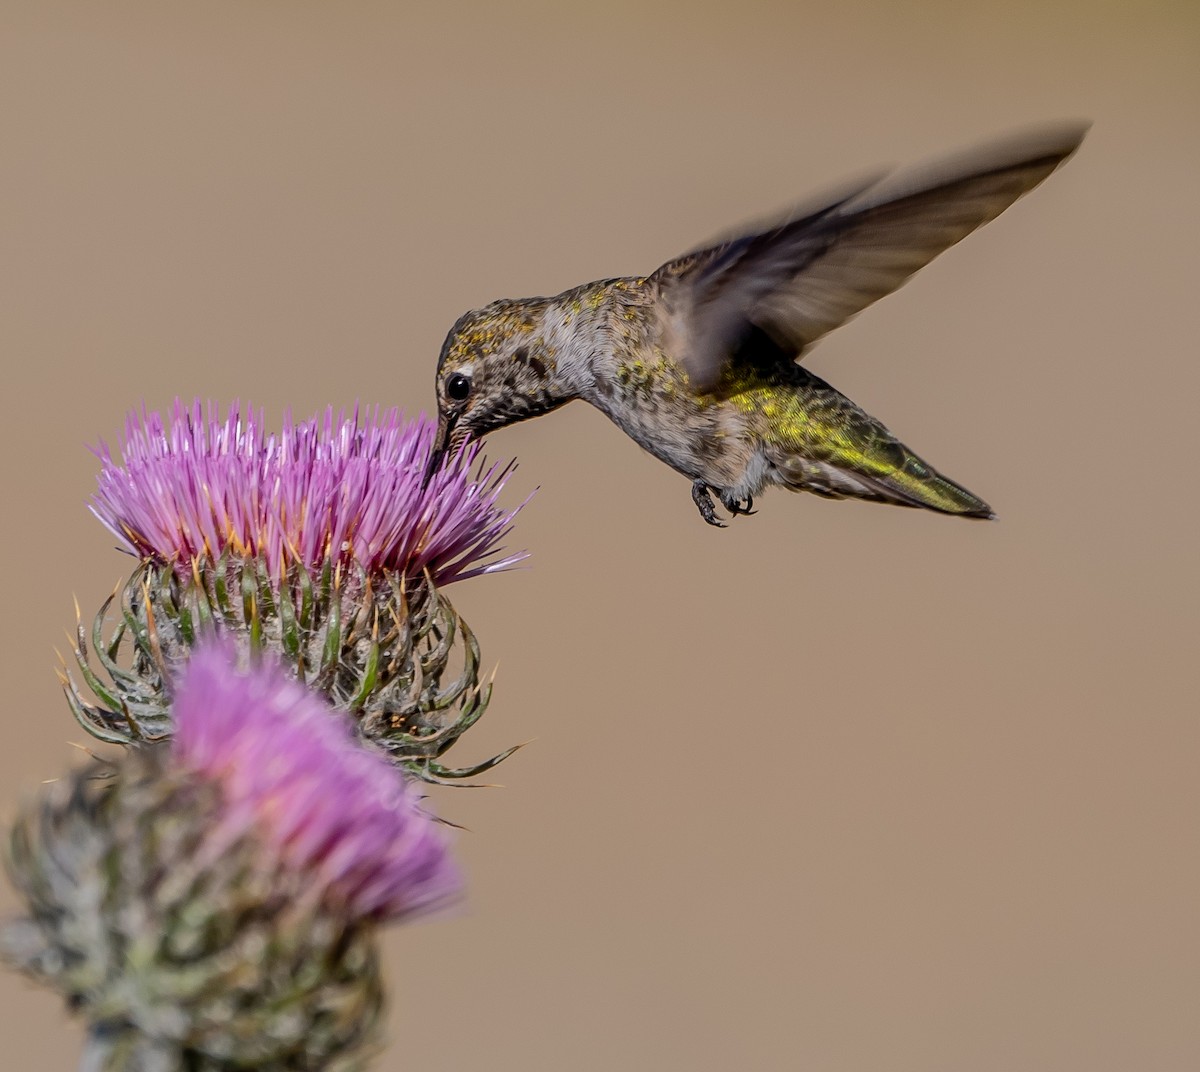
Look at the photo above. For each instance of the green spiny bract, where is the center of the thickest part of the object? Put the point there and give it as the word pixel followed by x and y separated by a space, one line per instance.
pixel 391 652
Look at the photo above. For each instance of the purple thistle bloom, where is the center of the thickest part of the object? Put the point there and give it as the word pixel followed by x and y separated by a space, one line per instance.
pixel 289 766
pixel 344 488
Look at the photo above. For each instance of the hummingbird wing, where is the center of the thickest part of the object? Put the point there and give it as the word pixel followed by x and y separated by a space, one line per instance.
pixel 802 277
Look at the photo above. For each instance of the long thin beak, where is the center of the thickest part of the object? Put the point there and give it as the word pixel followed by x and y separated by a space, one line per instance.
pixel 440 446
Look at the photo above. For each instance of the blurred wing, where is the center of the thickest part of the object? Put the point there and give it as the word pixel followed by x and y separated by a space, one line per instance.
pixel 802 278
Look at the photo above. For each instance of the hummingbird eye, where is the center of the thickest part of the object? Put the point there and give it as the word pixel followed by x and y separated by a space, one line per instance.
pixel 458 387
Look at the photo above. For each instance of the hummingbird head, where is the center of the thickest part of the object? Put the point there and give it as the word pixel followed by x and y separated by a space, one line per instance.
pixel 494 369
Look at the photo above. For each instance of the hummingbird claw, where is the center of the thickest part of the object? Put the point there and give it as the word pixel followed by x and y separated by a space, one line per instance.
pixel 702 497
pixel 734 505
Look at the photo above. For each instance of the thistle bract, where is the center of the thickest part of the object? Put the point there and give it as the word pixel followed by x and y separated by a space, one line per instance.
pixel 328 544
pixel 211 903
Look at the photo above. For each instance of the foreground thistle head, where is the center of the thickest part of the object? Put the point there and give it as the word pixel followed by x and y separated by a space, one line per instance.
pixel 212 902
pixel 327 543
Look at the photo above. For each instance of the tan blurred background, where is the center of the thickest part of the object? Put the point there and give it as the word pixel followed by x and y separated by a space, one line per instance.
pixel 842 787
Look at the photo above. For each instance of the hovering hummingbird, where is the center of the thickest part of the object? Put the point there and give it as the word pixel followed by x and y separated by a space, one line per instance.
pixel 698 361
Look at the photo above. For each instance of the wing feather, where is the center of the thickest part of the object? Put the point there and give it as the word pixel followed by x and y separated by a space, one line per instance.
pixel 800 279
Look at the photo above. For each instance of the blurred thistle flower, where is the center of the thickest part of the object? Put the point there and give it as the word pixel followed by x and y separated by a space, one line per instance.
pixel 335 811
pixel 212 903
pixel 326 543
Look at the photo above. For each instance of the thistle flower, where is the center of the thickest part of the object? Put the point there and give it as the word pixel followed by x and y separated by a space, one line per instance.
pixel 347 491
pixel 327 544
pixel 213 903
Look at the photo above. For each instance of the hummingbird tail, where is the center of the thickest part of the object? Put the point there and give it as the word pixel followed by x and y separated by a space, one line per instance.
pixel 907 481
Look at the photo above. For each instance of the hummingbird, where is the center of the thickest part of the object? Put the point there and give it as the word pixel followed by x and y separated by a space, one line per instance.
pixel 699 362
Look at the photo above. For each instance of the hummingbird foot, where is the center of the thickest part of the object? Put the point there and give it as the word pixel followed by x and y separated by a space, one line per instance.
pixel 702 497
pixel 734 505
